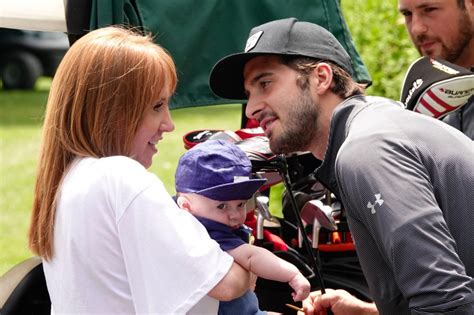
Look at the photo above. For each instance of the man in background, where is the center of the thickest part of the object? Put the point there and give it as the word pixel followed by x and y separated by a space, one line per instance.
pixel 444 29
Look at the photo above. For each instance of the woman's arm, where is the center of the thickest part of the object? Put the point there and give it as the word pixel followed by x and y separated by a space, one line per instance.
pixel 233 285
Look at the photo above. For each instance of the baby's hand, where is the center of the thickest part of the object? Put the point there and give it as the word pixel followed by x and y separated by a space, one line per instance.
pixel 301 286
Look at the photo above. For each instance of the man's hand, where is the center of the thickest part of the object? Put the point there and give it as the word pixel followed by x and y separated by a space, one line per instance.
pixel 340 302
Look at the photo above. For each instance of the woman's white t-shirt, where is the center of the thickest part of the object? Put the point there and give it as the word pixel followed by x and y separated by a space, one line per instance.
pixel 122 246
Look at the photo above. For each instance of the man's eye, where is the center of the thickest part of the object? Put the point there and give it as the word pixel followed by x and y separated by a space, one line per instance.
pixel 430 9
pixel 264 84
pixel 406 13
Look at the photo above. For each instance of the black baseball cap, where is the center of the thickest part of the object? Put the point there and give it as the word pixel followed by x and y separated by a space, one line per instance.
pixel 280 37
pixel 436 87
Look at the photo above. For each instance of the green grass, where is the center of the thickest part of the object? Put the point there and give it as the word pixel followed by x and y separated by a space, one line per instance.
pixel 20 120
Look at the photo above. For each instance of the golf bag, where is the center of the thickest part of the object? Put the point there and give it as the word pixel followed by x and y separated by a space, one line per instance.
pixel 313 233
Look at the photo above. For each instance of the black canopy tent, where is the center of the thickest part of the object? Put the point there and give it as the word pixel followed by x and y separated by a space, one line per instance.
pixel 199 33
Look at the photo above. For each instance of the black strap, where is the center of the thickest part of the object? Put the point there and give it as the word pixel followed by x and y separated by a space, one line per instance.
pixel 78 14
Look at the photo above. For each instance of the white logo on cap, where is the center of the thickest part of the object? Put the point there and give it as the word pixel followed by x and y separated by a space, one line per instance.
pixel 238 179
pixel 252 41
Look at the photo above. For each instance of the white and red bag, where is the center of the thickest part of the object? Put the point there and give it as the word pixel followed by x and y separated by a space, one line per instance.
pixel 435 87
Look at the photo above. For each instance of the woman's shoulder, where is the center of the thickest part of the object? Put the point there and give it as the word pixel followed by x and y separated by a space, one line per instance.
pixel 119 161
pixel 114 182
pixel 116 163
pixel 116 169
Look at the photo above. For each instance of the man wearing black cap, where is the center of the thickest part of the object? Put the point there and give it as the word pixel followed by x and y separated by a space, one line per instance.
pixel 444 29
pixel 408 197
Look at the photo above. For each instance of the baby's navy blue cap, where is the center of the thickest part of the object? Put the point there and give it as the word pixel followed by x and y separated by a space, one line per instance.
pixel 216 169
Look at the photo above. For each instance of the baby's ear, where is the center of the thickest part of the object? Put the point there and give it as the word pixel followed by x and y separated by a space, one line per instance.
pixel 183 203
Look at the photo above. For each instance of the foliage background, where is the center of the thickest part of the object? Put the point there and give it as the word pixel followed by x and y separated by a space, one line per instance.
pixel 378 31
pixel 379 35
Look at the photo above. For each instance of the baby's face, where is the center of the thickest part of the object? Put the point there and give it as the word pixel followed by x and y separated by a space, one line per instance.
pixel 231 213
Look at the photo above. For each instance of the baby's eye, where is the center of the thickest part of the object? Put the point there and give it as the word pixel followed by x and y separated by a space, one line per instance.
pixel 240 205
pixel 221 206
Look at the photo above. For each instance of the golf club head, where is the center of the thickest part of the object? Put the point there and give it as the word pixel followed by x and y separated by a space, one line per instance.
pixel 315 209
pixel 262 207
pixel 316 228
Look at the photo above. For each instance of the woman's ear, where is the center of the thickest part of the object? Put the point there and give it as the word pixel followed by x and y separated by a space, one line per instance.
pixel 322 74
pixel 184 203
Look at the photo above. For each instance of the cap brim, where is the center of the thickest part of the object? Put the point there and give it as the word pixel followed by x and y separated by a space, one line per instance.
pixel 227 76
pixel 233 191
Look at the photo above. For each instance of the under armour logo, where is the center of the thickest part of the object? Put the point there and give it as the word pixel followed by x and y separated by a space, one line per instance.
pixel 378 201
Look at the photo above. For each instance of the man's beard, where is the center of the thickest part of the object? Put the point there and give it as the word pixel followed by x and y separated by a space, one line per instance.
pixel 456 49
pixel 299 128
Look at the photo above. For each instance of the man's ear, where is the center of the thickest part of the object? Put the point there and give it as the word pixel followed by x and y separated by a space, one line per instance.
pixel 322 76
pixel 470 7
pixel 184 203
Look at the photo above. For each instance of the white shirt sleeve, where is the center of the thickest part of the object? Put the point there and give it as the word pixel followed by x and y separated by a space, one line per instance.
pixel 171 261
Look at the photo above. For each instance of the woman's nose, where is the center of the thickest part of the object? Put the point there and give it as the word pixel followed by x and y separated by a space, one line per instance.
pixel 167 125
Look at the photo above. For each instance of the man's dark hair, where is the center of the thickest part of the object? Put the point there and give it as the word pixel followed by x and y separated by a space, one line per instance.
pixel 343 85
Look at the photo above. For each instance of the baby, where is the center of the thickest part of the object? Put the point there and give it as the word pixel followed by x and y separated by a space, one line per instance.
pixel 213 182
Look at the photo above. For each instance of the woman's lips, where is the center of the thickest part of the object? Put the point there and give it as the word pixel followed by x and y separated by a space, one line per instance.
pixel 153 144
pixel 153 147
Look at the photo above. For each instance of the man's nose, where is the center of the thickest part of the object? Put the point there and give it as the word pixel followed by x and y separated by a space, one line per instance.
pixel 253 108
pixel 417 26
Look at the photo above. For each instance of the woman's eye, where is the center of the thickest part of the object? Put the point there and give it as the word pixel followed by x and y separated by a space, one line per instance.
pixel 158 106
